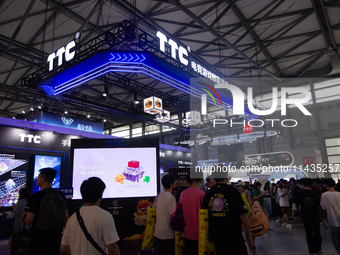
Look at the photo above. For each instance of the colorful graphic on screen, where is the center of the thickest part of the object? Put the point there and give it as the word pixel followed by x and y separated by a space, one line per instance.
pixel 43 161
pixel 12 177
pixel 127 172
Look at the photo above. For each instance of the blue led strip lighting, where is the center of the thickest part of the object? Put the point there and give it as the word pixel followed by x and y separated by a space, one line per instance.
pixel 106 62
pixel 49 90
pixel 133 69
pixel 110 67
pixel 133 57
pixel 82 79
pixel 119 68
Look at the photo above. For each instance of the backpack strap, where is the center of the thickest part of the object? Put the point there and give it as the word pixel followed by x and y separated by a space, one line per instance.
pixel 49 192
pixel 87 234
pixel 43 207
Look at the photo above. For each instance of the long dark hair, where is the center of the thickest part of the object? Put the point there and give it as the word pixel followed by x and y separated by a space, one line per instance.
pixel 266 186
pixel 24 193
pixel 278 185
pixel 257 184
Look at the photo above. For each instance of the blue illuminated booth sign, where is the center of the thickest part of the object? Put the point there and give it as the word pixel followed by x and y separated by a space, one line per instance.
pixel 67 122
pixel 127 62
pixel 106 62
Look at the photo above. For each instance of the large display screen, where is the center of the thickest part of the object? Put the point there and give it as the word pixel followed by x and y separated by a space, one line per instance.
pixel 12 177
pixel 127 172
pixel 43 161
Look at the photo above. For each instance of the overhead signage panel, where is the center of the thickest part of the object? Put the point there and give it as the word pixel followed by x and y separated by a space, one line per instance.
pixel 125 62
pixel 122 62
pixel 34 139
pixel 67 52
pixel 67 122
pixel 183 56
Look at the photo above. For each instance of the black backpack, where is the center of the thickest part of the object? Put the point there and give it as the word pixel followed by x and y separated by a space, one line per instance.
pixel 52 211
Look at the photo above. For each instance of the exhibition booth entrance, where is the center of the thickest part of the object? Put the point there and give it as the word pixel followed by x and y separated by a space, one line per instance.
pixel 164 77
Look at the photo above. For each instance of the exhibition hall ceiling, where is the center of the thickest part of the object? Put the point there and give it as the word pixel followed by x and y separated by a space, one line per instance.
pixel 234 39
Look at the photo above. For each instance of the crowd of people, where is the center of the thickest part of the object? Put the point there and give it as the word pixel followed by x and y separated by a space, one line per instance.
pixel 308 200
pixel 311 201
pixel 91 230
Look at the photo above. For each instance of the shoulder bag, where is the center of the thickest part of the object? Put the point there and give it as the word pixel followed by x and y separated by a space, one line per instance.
pixel 259 222
pixel 177 219
pixel 87 234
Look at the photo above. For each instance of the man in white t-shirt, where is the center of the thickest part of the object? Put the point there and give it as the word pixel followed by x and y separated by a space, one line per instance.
pixel 98 222
pixel 165 204
pixel 330 201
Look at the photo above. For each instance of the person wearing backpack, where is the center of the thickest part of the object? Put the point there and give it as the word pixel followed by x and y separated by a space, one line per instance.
pixel 46 211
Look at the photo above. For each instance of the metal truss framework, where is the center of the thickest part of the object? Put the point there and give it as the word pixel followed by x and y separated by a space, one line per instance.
pixel 123 32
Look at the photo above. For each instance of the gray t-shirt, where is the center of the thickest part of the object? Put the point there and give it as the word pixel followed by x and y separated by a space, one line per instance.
pixel 18 212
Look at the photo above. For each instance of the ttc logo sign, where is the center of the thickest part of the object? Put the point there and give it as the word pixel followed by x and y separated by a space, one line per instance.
pixel 35 138
pixel 60 53
pixel 115 143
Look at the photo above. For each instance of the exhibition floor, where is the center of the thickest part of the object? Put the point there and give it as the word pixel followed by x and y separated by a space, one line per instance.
pixel 285 241
pixel 279 240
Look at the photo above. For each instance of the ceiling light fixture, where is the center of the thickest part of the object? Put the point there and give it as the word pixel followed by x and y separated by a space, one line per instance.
pixel 106 91
pixel 135 100
pixel 23 112
pixel 238 138
pixel 77 35
pixel 66 112
pixel 32 109
pixel 88 116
